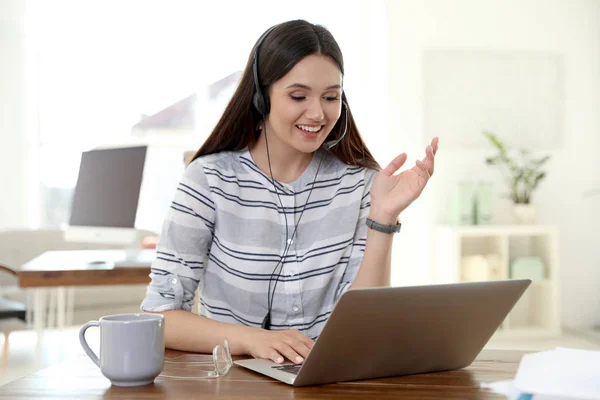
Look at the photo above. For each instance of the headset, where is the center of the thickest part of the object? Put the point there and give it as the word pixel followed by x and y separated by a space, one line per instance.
pixel 260 100
pixel 262 104
pixel 329 144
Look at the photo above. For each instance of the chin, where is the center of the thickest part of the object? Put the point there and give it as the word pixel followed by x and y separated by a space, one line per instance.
pixel 308 148
pixel 308 145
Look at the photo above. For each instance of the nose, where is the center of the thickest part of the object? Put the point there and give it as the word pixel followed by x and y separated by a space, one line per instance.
pixel 315 111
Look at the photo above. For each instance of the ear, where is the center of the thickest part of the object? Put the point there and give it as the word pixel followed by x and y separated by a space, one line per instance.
pixel 259 125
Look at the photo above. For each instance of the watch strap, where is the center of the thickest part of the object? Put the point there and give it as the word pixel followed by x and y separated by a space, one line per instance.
pixel 383 228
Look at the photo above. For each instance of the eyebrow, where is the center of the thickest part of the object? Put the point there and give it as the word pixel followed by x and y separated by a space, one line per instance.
pixel 302 86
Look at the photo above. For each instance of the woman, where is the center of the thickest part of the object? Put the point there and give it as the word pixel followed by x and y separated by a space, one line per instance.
pixel 270 218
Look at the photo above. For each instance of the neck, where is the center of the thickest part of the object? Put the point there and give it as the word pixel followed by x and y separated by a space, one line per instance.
pixel 287 163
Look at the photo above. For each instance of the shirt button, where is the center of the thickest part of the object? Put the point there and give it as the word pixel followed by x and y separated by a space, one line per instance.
pixel 174 281
pixel 295 308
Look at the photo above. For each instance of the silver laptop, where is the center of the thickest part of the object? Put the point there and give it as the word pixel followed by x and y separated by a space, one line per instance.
pixel 380 332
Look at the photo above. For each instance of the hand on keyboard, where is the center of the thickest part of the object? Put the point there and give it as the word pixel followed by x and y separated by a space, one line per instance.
pixel 275 345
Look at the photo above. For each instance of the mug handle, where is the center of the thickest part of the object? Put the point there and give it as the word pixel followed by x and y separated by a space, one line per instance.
pixel 84 343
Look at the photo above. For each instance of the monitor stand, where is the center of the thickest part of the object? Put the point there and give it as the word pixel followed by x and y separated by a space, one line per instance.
pixel 124 238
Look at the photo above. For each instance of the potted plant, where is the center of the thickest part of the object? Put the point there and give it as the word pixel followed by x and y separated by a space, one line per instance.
pixel 523 175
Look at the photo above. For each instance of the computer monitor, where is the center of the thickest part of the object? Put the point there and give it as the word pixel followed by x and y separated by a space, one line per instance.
pixel 107 192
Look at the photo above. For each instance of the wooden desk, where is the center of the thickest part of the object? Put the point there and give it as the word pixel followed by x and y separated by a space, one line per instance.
pixel 79 378
pixel 87 267
pixel 60 269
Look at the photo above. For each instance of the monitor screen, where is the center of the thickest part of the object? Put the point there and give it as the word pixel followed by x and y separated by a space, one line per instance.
pixel 108 187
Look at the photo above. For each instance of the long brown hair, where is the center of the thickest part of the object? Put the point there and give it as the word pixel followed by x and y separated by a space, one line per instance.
pixel 281 50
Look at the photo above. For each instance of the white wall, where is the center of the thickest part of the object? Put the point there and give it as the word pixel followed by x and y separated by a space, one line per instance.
pixel 13 121
pixel 571 28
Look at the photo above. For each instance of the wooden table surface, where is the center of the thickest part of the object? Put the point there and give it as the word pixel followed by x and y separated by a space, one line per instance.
pixel 79 378
pixel 87 267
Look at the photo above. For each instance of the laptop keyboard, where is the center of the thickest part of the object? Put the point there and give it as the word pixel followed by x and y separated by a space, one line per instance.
pixel 291 368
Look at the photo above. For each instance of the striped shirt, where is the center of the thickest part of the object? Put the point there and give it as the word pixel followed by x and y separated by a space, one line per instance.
pixel 226 231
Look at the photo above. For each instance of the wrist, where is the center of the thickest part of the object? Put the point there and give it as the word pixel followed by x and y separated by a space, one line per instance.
pixel 384 218
pixel 243 336
pixel 388 229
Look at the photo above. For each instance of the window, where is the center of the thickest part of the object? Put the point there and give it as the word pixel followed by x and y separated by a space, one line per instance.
pixel 100 65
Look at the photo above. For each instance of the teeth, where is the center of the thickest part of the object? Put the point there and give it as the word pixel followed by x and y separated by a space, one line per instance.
pixel 311 129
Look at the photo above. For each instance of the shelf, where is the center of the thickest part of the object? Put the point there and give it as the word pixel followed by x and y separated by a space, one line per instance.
pixel 487 252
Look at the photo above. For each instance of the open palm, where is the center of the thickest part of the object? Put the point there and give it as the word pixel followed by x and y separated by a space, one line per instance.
pixel 391 194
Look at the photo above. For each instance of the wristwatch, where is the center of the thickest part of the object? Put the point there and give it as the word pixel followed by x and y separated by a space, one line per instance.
pixel 383 228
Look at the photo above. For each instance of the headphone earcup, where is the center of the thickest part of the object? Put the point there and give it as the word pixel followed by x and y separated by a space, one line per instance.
pixel 258 102
pixel 261 103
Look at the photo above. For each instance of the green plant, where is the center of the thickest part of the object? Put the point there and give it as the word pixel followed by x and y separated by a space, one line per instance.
pixel 523 175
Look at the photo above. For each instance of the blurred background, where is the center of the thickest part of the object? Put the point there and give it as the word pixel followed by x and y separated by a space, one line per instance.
pixel 80 75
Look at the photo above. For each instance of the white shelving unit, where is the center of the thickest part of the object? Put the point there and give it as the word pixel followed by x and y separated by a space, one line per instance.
pixel 537 312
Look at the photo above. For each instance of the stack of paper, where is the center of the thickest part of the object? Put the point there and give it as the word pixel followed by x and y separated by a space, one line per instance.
pixel 553 375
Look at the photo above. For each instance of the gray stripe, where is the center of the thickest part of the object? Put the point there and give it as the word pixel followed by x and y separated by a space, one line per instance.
pixel 248 242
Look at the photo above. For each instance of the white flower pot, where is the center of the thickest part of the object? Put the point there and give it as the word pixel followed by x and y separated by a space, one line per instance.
pixel 525 213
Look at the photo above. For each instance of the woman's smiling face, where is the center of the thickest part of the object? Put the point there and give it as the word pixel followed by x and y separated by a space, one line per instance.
pixel 305 104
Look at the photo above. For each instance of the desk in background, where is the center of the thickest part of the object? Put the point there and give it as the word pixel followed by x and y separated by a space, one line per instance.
pixel 87 267
pixel 59 270
pixel 80 378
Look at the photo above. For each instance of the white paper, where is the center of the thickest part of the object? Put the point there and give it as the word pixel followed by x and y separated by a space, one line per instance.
pixel 507 388
pixel 561 372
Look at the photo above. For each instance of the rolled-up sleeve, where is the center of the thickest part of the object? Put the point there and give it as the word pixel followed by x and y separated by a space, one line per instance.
pixel 185 240
pixel 360 237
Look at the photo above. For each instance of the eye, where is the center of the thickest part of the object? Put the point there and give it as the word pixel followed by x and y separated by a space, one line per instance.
pixel 331 98
pixel 297 98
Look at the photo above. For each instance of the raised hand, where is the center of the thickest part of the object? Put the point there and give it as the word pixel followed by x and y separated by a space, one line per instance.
pixel 391 194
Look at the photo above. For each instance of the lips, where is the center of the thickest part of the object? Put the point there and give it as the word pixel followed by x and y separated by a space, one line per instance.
pixel 310 128
pixel 307 134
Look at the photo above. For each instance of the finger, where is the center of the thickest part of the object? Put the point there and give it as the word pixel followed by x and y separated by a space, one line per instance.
pixel 301 349
pixel 435 143
pixel 422 170
pixel 395 165
pixel 288 352
pixel 420 167
pixel 299 343
pixel 427 153
pixel 274 356
pixel 430 160
pixel 308 342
